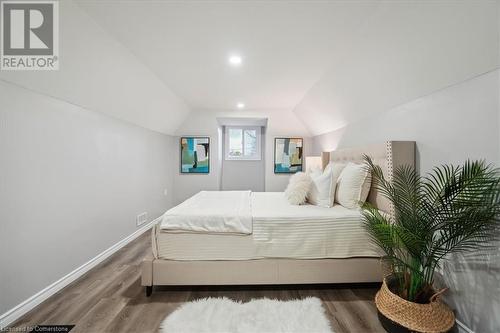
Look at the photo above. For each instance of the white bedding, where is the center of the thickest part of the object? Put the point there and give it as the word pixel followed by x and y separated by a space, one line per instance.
pixel 280 230
pixel 211 212
pixel 273 206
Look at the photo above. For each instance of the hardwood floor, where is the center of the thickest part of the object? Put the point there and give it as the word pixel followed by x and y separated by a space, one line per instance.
pixel 109 298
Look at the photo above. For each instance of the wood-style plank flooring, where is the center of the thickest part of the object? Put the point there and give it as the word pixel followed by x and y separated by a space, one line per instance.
pixel 109 298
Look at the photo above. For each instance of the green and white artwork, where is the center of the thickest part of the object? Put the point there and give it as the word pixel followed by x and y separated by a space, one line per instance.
pixel 288 155
pixel 195 155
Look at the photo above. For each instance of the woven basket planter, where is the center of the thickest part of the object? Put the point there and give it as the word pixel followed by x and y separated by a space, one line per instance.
pixel 432 317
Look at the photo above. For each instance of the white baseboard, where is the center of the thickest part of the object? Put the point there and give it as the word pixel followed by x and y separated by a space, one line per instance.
pixel 462 328
pixel 21 309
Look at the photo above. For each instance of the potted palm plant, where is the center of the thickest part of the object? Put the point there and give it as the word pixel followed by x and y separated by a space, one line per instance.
pixel 452 209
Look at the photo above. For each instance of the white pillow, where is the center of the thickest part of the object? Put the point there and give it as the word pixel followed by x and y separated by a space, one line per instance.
pixel 322 192
pixel 322 189
pixel 353 185
pixel 297 189
pixel 314 171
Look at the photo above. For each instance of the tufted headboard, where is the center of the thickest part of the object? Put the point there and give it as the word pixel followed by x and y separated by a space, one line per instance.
pixel 387 155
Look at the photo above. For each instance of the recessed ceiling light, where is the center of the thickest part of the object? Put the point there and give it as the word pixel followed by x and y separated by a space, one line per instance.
pixel 240 105
pixel 235 60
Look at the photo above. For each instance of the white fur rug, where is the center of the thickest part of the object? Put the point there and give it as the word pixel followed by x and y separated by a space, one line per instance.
pixel 260 315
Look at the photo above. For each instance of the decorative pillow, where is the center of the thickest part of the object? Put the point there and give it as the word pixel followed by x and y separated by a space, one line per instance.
pixel 297 189
pixel 353 185
pixel 321 189
pixel 322 192
pixel 314 171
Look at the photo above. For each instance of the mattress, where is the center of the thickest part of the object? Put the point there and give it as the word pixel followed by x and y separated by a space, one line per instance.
pixel 193 246
pixel 280 230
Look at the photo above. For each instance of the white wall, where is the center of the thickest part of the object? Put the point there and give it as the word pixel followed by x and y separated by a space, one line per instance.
pixel 244 175
pixel 449 126
pixel 185 185
pixel 204 122
pixel 405 50
pixel 74 171
pixel 98 73
pixel 72 182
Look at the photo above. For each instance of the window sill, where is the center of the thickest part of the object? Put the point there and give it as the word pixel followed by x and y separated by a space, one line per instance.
pixel 243 159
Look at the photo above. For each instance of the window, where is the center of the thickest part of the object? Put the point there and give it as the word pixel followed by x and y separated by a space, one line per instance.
pixel 242 143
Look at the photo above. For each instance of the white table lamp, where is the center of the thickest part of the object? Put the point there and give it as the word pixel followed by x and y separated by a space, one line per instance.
pixel 314 162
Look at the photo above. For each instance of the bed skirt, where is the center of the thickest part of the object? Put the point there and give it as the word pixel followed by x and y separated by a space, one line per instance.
pixel 260 271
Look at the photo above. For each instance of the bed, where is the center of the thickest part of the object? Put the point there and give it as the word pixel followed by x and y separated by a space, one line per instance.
pixel 240 237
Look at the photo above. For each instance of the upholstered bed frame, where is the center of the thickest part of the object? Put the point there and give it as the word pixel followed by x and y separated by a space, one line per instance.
pixel 388 155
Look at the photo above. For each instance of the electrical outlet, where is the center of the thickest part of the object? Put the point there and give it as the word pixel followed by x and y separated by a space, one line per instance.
pixel 141 219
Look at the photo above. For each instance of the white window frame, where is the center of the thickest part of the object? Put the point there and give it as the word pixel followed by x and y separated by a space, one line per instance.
pixel 256 157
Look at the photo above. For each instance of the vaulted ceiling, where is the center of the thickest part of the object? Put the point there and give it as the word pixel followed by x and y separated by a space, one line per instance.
pixel 286 46
pixel 332 62
pixel 327 63
pixel 404 51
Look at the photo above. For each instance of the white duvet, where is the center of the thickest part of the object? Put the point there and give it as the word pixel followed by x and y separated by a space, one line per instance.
pixel 211 212
pixel 270 228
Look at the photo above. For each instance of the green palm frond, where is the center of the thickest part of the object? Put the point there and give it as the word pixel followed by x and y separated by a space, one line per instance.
pixel 452 209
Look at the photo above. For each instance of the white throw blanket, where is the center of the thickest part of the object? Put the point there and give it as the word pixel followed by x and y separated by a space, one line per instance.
pixel 211 212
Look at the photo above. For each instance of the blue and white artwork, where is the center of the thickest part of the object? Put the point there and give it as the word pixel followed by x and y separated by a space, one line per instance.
pixel 288 154
pixel 195 155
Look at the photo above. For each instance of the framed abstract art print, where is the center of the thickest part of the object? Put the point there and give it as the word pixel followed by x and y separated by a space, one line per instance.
pixel 195 155
pixel 288 155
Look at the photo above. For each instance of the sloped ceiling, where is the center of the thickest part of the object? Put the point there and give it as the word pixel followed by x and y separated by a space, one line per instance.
pixel 286 45
pixel 279 122
pixel 99 74
pixel 331 62
pixel 404 51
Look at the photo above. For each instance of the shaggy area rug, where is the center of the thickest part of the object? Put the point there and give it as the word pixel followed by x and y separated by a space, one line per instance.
pixel 260 315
